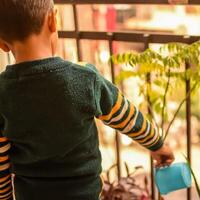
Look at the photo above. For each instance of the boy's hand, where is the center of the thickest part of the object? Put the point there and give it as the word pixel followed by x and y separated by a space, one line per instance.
pixel 163 157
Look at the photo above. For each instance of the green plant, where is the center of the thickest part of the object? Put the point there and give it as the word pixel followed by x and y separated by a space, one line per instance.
pixel 161 72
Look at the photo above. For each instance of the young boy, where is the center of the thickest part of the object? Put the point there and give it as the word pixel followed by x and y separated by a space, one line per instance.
pixel 47 111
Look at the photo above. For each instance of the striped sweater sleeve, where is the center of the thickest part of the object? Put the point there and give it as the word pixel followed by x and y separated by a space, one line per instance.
pixel 5 175
pixel 119 113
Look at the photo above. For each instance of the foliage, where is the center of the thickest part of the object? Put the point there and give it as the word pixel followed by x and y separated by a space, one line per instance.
pixel 169 55
pixel 162 73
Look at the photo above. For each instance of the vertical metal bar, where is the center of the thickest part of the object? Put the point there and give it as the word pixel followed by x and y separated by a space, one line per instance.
pixel 188 124
pixel 117 137
pixel 148 79
pixel 76 26
pixel 153 192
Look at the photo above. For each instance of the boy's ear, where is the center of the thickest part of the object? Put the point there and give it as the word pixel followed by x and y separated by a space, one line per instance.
pixel 4 46
pixel 52 22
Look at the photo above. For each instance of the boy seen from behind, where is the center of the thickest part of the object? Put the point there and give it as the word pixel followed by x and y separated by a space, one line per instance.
pixel 48 106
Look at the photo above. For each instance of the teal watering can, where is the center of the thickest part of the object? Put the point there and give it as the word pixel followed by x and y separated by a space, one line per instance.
pixel 175 177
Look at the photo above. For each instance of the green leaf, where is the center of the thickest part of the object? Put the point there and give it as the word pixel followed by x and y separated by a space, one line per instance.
pixel 123 75
pixel 158 107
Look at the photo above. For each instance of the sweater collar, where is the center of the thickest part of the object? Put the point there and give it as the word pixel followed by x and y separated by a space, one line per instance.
pixel 28 67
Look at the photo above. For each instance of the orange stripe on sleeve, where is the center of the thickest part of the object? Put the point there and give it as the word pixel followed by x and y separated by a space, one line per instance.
pixel 3 158
pixel 115 108
pixel 7 198
pixel 152 133
pixel 122 124
pixel 5 166
pixel 4 178
pixel 6 183
pixel 6 189
pixel 139 132
pixel 158 137
pixel 3 139
pixel 6 195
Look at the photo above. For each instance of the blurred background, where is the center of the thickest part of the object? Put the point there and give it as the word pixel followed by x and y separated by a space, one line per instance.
pixel 146 19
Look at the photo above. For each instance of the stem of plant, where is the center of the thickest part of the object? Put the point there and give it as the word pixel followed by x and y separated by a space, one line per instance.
pixel 164 101
pixel 151 110
pixel 177 111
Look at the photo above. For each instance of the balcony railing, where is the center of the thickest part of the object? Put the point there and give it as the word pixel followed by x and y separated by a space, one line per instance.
pixel 158 2
pixel 144 38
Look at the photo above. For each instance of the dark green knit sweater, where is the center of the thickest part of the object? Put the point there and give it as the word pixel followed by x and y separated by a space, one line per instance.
pixel 47 111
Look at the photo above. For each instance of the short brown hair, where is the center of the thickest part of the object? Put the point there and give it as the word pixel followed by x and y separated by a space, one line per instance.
pixel 21 18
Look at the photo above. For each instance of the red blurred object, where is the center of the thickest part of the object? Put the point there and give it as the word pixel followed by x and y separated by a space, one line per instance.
pixel 111 17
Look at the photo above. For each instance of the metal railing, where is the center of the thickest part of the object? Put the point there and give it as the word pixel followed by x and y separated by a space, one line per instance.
pixel 190 2
pixel 144 38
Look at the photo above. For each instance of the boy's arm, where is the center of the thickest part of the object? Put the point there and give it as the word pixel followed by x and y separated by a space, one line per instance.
pixel 119 113
pixel 5 175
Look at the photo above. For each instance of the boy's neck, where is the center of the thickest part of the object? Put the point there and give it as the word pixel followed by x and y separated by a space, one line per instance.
pixel 34 48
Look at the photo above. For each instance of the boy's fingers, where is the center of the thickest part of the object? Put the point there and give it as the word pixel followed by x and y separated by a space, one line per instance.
pixel 163 157
pixel 157 162
pixel 166 163
pixel 162 161
pixel 170 161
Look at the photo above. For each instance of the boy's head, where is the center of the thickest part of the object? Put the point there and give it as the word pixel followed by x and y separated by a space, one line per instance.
pixel 21 19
